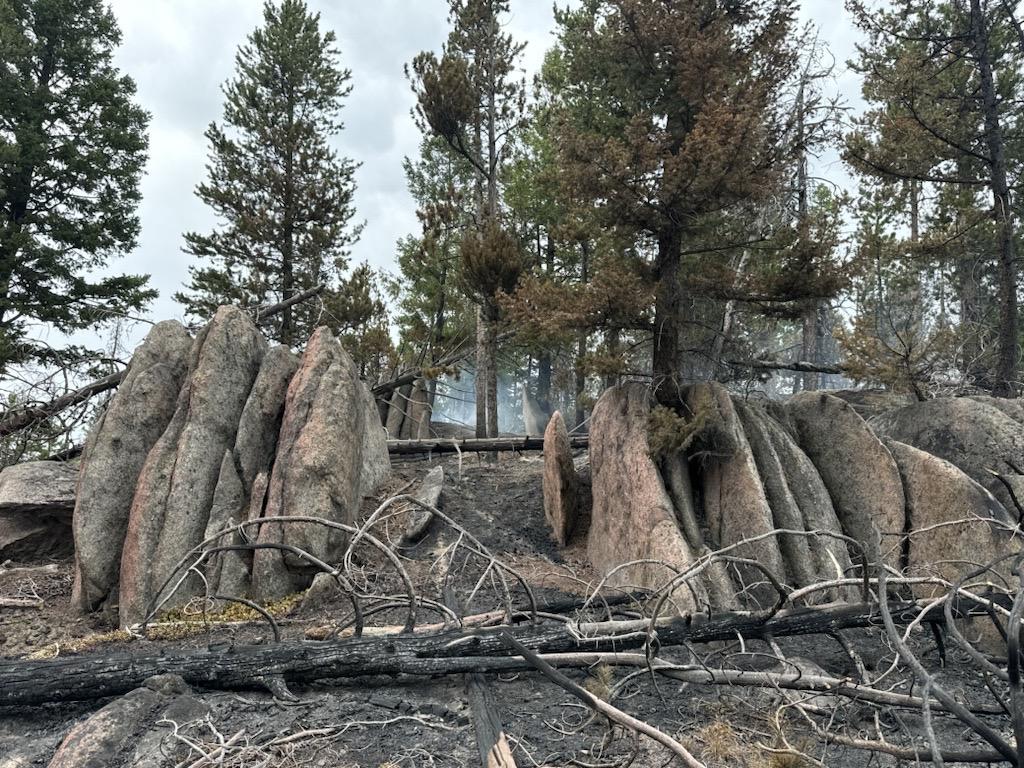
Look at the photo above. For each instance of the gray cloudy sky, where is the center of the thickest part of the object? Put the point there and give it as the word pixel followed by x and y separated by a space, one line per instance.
pixel 180 51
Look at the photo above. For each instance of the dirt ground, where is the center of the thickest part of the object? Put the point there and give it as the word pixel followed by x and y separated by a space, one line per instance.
pixel 393 722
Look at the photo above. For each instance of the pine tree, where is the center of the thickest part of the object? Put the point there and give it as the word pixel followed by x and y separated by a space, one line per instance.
pixel 283 195
pixel 471 99
pixel 72 149
pixel 944 82
pixel 670 118
pixel 433 312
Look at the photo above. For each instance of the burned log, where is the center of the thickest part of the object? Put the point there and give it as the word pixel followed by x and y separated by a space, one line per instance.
pixel 458 651
pixel 476 445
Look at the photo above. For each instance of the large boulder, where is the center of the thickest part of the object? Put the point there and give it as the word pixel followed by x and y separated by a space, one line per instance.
pixel 1014 408
pixel 735 505
pixel 172 502
pixel 419 519
pixel 633 517
pixel 321 466
pixel 561 486
pixel 859 472
pixel 114 454
pixel 955 525
pixel 41 487
pixel 114 734
pixel 36 501
pixel 975 435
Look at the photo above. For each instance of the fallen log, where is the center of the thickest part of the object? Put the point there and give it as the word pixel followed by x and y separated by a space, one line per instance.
pixel 799 366
pixel 476 444
pixel 18 420
pixel 94 676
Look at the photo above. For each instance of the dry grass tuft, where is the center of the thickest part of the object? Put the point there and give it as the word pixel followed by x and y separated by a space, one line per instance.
pixel 81 644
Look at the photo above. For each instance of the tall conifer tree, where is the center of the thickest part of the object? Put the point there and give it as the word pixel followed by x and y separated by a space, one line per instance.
pixel 282 193
pixel 72 148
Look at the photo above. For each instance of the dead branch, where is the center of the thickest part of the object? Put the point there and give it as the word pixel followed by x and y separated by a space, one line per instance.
pixel 26 417
pixel 269 311
pixel 599 705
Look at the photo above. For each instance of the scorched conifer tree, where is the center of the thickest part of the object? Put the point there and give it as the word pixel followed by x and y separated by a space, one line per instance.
pixel 471 99
pixel 670 115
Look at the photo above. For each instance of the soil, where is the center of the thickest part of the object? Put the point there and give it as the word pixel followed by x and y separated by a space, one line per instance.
pixel 427 722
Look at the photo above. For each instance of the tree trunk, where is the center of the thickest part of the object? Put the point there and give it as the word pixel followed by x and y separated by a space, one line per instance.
pixel 491 355
pixel 809 347
pixel 667 310
pixel 729 314
pixel 613 346
pixel 544 358
pixel 480 380
pixel 581 344
pixel 1005 384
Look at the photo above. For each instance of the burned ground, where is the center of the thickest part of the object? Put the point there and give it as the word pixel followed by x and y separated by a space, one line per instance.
pixel 413 721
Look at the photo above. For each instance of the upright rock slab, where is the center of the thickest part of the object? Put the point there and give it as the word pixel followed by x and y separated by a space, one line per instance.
pixel 786 512
pixel 561 486
pixel 830 555
pixel 252 455
pixel 735 505
pixel 319 468
pixel 859 472
pixel 633 517
pixel 171 507
pixel 114 454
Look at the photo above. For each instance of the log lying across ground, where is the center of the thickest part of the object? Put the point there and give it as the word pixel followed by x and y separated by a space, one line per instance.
pixel 475 444
pixel 93 676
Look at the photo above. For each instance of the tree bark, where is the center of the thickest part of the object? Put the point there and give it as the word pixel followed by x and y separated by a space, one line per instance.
pixel 581 345
pixel 480 380
pixel 667 309
pixel 544 358
pixel 491 356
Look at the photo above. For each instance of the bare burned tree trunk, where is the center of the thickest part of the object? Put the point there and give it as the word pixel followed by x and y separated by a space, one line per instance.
pixel 1005 384
pixel 544 358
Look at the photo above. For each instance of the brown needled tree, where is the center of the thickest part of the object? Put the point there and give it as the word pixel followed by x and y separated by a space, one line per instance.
pixel 471 99
pixel 681 122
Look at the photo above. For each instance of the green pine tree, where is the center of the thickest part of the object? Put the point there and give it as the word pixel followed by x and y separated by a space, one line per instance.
pixel 283 195
pixel 72 147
